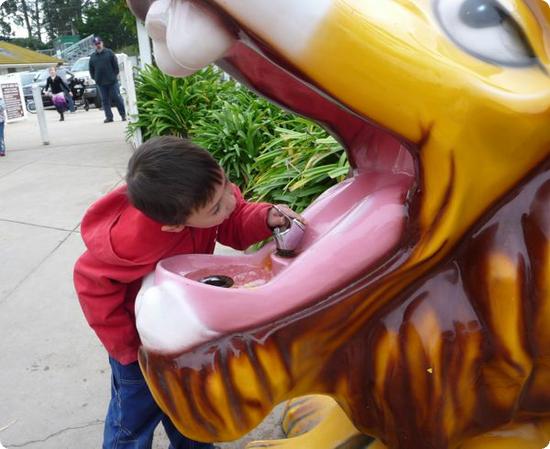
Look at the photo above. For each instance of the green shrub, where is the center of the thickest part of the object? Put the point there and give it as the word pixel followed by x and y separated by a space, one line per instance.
pixel 270 154
pixel 298 165
pixel 170 106
pixel 237 131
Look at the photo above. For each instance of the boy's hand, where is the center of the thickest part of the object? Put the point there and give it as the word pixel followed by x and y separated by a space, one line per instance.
pixel 279 215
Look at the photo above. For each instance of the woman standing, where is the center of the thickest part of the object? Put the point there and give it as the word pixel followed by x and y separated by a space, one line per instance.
pixel 59 90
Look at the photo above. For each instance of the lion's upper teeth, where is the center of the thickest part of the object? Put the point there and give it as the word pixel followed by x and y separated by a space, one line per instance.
pixel 186 37
pixel 166 63
pixel 156 20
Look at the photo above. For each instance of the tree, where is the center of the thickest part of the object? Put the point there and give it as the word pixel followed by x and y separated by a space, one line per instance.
pixel 37 19
pixel 27 17
pixel 7 13
pixel 112 20
pixel 23 13
pixel 61 17
pixel 20 13
pixel 25 42
pixel 45 20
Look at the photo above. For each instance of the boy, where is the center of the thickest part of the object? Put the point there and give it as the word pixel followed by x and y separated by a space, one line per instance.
pixel 177 200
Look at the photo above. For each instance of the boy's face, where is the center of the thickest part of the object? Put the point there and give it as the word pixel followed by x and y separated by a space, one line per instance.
pixel 213 213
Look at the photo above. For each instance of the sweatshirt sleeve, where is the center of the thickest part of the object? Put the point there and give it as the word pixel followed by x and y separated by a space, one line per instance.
pixel 102 291
pixel 246 225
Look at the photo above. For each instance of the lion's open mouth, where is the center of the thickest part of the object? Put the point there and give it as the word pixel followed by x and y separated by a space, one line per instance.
pixel 352 229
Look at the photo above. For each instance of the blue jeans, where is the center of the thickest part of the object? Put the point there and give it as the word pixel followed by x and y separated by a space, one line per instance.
pixel 108 92
pixel 133 414
pixel 2 144
pixel 70 102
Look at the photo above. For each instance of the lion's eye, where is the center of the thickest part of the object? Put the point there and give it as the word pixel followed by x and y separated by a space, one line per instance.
pixel 485 29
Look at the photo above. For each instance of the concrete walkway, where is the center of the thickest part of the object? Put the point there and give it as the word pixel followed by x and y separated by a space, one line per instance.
pixel 54 375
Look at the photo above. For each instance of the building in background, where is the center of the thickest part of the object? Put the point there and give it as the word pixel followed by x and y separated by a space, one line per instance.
pixel 17 59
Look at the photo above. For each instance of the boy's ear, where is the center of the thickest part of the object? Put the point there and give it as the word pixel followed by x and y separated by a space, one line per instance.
pixel 172 228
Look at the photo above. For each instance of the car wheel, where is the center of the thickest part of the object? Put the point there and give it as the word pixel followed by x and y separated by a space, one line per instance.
pixel 97 102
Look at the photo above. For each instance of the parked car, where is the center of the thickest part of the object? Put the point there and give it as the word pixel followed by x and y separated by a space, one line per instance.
pixel 81 69
pixel 75 84
pixel 27 78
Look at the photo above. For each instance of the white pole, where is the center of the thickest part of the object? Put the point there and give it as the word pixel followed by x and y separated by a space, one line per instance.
pixel 129 88
pixel 145 54
pixel 37 97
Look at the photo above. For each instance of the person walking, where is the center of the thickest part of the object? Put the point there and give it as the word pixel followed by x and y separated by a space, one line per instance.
pixel 62 73
pixel 104 70
pixel 59 92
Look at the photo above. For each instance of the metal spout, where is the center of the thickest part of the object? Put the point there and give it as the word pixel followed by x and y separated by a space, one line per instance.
pixel 287 239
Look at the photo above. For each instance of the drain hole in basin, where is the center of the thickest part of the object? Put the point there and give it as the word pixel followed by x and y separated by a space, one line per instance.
pixel 217 281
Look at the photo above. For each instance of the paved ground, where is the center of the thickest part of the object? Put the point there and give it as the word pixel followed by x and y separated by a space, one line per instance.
pixel 54 377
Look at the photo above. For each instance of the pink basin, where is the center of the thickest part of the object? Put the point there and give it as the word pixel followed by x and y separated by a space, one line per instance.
pixel 350 228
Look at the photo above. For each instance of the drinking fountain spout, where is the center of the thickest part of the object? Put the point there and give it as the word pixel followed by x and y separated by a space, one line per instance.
pixel 288 237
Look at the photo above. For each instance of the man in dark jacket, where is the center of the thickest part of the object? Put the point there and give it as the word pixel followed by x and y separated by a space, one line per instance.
pixel 104 70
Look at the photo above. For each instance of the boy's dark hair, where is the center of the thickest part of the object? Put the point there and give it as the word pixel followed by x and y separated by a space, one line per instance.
pixel 169 178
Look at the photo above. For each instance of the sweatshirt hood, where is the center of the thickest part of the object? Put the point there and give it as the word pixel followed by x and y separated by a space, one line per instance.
pixel 139 239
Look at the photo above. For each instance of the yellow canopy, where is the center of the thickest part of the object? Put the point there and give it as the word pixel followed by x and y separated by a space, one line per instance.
pixel 11 54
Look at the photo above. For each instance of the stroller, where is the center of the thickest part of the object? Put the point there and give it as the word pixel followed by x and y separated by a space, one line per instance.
pixel 77 88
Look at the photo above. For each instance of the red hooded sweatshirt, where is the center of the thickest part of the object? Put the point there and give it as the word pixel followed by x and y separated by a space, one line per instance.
pixel 124 245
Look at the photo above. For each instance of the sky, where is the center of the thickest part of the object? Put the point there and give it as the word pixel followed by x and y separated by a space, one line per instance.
pixel 19 31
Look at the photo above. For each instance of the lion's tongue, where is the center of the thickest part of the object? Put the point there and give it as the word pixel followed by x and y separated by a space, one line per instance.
pixel 350 230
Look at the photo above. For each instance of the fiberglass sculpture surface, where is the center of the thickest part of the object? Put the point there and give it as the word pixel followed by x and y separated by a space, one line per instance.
pixel 419 298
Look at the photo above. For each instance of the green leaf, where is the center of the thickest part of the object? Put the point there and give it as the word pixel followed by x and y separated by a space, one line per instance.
pixel 271 154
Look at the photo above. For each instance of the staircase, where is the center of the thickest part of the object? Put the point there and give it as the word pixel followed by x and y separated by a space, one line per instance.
pixel 78 50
